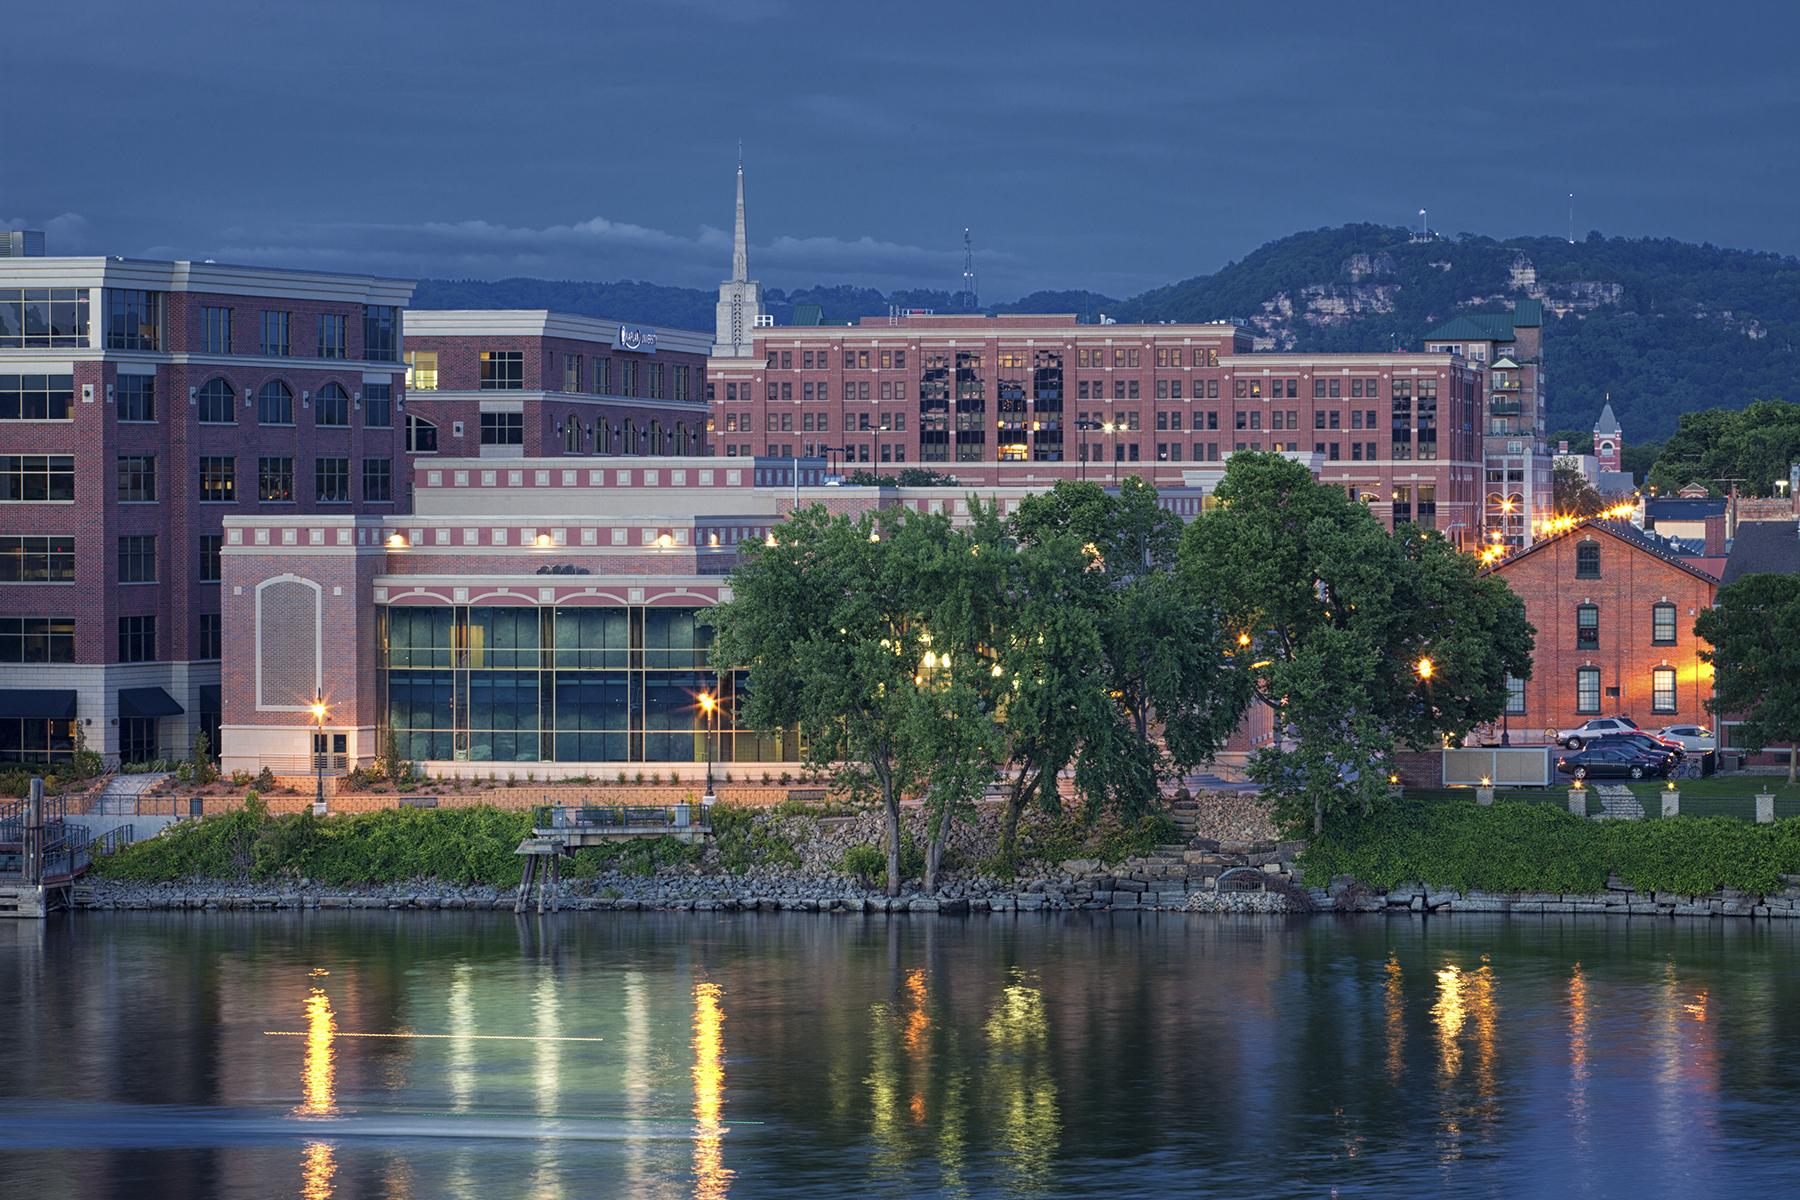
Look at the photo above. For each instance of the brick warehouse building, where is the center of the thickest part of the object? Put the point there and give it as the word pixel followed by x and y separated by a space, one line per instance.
pixel 530 383
pixel 140 404
pixel 1614 612
pixel 1044 397
pixel 1065 400
pixel 531 614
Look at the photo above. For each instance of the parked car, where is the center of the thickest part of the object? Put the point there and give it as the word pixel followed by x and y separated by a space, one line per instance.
pixel 1613 762
pixel 1586 732
pixel 1695 739
pixel 1649 743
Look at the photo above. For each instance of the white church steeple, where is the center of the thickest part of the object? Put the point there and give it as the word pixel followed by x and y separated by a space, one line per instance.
pixel 740 297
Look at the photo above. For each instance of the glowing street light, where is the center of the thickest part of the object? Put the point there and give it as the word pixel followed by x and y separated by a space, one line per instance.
pixel 318 710
pixel 709 706
pixel 1425 668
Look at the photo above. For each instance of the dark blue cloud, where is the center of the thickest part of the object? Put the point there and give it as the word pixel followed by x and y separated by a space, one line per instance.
pixel 1105 146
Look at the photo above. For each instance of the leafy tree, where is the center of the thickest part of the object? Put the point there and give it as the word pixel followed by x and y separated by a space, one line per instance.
pixel 1171 694
pixel 1754 632
pixel 1574 495
pixel 873 636
pixel 903 477
pixel 1337 617
pixel 1755 446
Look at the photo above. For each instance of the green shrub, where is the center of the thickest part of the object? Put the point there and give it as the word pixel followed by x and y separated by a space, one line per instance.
pixel 1540 848
pixel 453 845
pixel 866 863
pixel 639 856
pixel 744 844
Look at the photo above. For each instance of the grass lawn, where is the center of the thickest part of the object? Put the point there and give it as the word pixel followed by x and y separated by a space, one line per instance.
pixel 1719 796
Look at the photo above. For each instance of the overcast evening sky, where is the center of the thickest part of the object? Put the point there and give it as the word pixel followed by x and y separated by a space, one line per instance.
pixel 1112 146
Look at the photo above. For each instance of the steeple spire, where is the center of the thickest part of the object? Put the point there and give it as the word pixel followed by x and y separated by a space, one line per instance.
pixel 739 309
pixel 740 247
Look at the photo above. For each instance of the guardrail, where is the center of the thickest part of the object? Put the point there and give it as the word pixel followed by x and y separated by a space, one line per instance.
pixel 12 816
pixel 308 764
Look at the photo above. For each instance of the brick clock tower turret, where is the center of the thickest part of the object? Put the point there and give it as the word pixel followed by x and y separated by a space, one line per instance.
pixel 1609 441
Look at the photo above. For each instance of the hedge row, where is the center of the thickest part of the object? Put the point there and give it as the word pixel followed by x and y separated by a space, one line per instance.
pixel 461 846
pixel 1538 848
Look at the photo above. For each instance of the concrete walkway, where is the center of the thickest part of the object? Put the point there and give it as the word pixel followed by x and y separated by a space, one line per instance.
pixel 120 795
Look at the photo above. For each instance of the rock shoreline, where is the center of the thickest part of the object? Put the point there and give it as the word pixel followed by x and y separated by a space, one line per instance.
pixel 697 894
pixel 1348 896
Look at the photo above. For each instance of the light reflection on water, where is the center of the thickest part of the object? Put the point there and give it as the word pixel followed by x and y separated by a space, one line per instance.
pixel 712 1179
pixel 748 1056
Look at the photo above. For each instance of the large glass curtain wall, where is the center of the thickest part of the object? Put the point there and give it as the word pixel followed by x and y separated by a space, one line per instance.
pixel 574 684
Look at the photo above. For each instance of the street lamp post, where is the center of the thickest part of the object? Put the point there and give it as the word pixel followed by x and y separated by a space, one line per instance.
pixel 318 712
pixel 1082 427
pixel 709 706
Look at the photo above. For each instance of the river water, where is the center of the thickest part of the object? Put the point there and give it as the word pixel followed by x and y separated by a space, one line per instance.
pixel 741 1055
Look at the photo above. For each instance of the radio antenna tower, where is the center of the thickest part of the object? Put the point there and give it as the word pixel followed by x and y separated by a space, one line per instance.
pixel 1571 218
pixel 971 300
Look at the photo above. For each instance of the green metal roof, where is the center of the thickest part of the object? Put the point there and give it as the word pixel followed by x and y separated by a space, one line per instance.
pixel 1492 327
pixel 1475 327
pixel 809 314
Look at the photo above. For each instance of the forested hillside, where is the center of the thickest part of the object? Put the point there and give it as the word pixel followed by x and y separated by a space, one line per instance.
pixel 1662 326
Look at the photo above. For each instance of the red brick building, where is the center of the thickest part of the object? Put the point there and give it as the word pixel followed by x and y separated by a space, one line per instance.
pixel 141 403
pixel 1614 612
pixel 1049 397
pixel 529 383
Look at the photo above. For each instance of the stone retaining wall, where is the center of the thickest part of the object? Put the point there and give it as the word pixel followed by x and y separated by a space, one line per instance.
pixel 649 895
pixel 1346 895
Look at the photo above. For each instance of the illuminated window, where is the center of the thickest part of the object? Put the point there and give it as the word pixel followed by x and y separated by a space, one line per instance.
pixel 1662 690
pixel 422 370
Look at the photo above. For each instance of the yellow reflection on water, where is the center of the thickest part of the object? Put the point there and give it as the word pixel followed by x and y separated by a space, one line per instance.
pixel 1465 1003
pixel 1487 1025
pixel 317 1167
pixel 1396 1019
pixel 918 1025
pixel 318 1073
pixel 712 1179
pixel 1447 1017
pixel 1578 1050
pixel 318 1091
pixel 1020 1083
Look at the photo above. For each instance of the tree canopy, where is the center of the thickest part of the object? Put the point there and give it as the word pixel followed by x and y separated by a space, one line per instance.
pixel 1754 633
pixel 1712 445
pixel 1090 637
pixel 1358 639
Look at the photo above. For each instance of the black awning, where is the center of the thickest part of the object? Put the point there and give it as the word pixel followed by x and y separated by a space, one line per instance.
pixel 51 704
pixel 148 702
pixel 209 698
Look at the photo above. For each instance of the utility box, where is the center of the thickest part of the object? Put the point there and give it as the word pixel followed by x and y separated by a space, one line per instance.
pixel 1500 766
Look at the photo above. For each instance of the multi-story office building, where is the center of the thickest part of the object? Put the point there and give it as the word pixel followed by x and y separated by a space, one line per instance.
pixel 1050 398
pixel 1042 397
pixel 529 383
pixel 141 403
pixel 1508 351
pixel 534 611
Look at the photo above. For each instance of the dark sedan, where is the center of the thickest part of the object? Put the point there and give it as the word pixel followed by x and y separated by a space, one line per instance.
pixel 1613 762
pixel 1645 743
